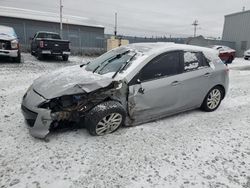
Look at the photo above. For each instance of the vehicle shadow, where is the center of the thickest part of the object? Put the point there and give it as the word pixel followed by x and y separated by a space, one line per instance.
pixel 52 59
pixel 8 60
pixel 74 127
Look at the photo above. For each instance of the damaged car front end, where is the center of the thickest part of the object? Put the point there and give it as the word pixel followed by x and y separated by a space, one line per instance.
pixel 67 95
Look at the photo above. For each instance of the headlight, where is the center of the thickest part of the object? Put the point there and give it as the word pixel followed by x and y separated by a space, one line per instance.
pixel 14 44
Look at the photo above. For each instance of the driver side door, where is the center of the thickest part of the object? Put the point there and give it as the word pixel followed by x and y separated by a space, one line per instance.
pixel 156 90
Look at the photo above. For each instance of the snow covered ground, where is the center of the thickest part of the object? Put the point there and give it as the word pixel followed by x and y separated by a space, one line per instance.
pixel 193 149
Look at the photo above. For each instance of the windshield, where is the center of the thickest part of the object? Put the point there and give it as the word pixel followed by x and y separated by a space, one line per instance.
pixel 111 62
pixel 48 36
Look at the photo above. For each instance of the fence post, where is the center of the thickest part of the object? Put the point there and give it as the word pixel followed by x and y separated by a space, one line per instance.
pixel 25 35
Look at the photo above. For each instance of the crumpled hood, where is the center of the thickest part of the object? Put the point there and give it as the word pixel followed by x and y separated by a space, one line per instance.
pixel 69 81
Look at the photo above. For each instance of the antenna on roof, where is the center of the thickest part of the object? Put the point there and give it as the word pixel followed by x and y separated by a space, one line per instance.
pixel 61 24
pixel 115 24
pixel 195 24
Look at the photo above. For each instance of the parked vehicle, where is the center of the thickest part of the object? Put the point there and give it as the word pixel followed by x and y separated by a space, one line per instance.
pixel 226 54
pixel 9 44
pixel 48 43
pixel 128 86
pixel 247 54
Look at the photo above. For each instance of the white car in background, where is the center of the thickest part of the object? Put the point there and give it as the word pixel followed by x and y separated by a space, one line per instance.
pixel 247 54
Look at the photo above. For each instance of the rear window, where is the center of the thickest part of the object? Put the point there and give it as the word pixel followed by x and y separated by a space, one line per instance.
pixel 194 61
pixel 48 36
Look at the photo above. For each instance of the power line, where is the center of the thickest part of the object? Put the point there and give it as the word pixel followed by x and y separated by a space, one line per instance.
pixel 61 24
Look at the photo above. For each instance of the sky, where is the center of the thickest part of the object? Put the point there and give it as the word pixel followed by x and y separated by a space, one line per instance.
pixel 145 17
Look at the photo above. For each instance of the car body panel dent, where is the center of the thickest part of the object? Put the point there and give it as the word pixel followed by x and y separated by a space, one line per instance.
pixel 68 81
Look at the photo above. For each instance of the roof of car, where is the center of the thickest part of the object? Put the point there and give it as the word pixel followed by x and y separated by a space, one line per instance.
pixel 150 48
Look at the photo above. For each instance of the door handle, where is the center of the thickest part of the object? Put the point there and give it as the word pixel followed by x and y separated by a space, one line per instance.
pixel 175 83
pixel 207 74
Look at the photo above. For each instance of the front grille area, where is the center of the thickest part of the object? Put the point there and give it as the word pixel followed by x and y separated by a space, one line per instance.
pixel 30 122
pixel 29 116
pixel 5 45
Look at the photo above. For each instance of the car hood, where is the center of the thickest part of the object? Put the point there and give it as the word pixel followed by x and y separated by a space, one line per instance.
pixel 7 37
pixel 69 81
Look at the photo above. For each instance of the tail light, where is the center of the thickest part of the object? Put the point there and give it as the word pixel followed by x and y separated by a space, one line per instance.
pixel 41 44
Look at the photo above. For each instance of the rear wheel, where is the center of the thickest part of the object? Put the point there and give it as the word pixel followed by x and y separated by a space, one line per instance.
pixel 65 57
pixel 105 118
pixel 213 99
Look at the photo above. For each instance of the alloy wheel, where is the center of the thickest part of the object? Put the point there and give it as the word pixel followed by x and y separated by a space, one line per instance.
pixel 108 124
pixel 214 99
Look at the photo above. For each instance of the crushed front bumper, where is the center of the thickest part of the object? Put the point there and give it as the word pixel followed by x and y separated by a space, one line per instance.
pixel 39 120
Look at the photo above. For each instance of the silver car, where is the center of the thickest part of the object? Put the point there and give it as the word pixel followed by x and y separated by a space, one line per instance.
pixel 128 86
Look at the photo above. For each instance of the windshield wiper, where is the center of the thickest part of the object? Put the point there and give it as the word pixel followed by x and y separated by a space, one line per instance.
pixel 110 60
pixel 123 65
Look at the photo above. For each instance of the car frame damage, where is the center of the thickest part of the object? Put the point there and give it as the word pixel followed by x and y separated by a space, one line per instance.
pixel 72 108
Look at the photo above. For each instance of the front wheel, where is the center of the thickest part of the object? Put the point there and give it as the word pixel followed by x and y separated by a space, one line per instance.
pixel 246 58
pixel 17 59
pixel 105 118
pixel 212 100
pixel 39 56
pixel 65 57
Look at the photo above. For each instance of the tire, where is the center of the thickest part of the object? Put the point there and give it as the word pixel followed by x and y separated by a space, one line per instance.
pixel 39 56
pixel 65 57
pixel 213 99
pixel 17 59
pixel 105 118
pixel 246 58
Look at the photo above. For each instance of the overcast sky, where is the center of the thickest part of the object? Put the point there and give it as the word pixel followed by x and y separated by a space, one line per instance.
pixel 145 17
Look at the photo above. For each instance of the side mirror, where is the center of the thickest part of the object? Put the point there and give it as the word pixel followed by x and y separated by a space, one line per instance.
pixel 138 81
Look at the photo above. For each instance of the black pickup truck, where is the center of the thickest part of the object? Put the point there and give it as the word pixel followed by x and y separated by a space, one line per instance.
pixel 50 44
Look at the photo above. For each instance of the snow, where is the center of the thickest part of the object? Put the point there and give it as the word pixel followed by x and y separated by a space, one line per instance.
pixel 192 149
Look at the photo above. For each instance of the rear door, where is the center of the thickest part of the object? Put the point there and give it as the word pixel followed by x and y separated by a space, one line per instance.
pixel 195 78
pixel 156 90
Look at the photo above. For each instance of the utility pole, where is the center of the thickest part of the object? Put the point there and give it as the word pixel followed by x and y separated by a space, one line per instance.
pixel 195 24
pixel 115 24
pixel 61 24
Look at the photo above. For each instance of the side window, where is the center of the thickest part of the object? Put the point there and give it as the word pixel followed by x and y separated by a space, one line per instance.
pixel 194 61
pixel 164 65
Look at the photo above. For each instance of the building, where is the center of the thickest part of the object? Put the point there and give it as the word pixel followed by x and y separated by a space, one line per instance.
pixel 237 29
pixel 85 37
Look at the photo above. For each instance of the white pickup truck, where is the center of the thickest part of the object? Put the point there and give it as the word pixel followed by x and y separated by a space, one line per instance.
pixel 9 44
